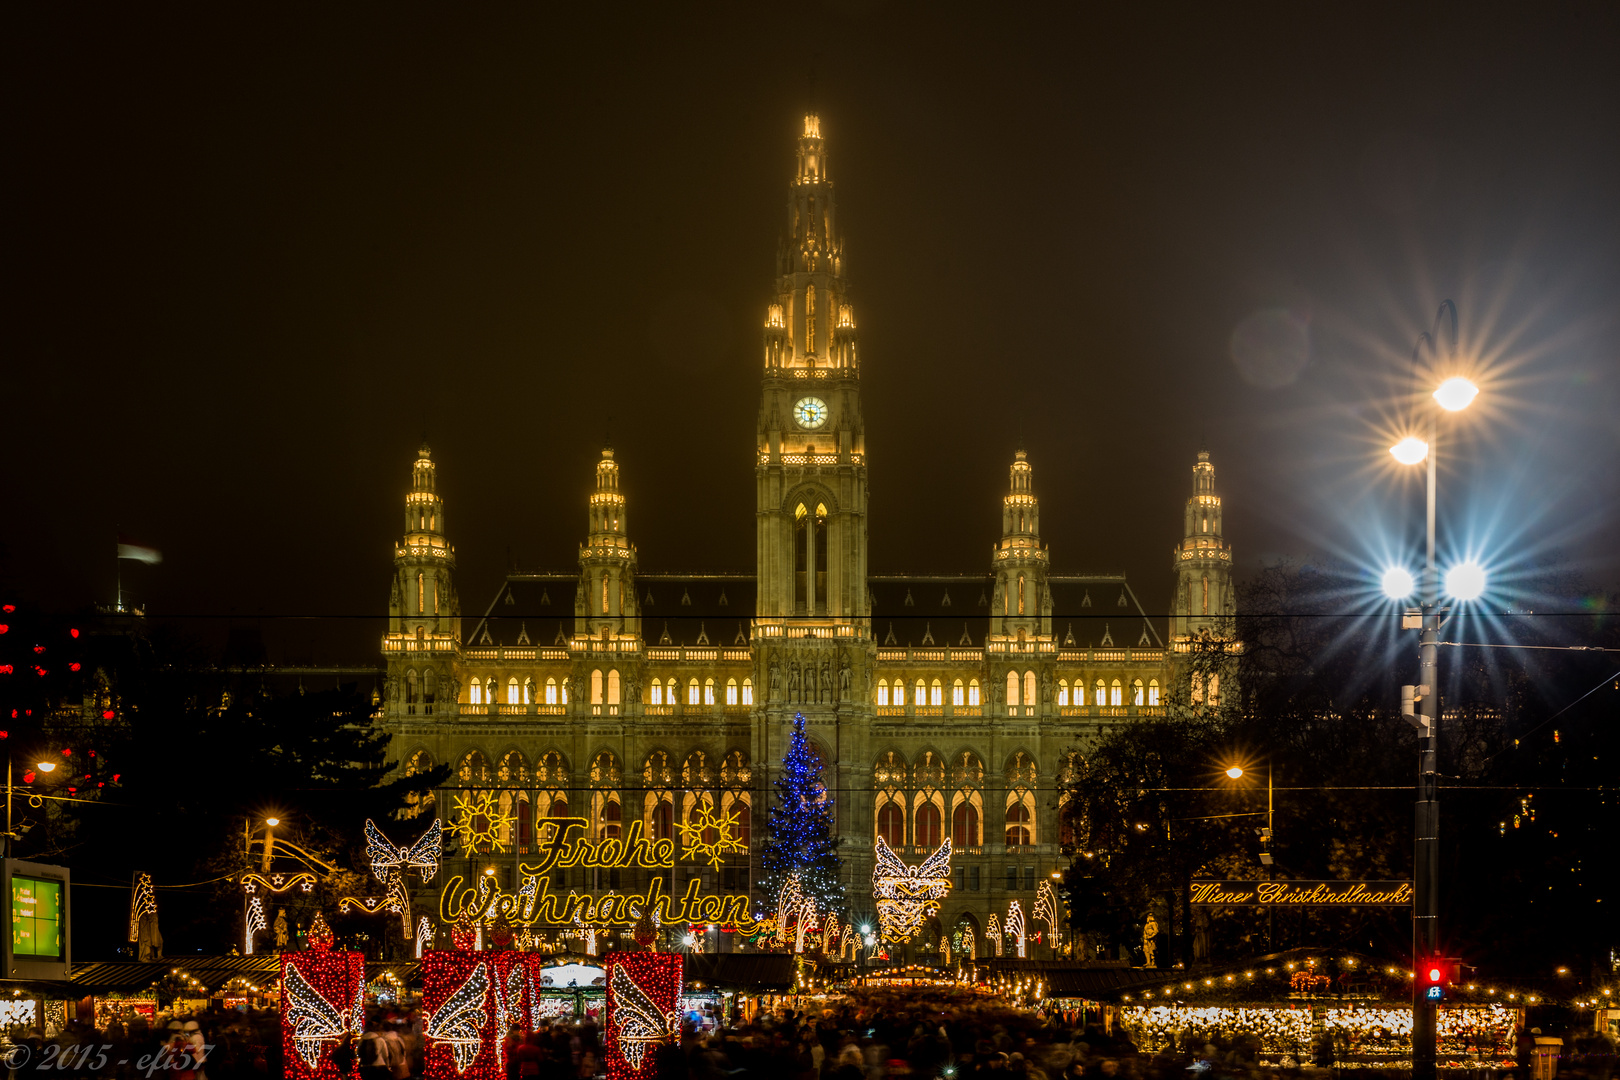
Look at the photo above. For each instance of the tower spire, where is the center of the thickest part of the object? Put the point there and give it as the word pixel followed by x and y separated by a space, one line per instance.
pixel 1204 601
pixel 1022 605
pixel 424 613
pixel 606 603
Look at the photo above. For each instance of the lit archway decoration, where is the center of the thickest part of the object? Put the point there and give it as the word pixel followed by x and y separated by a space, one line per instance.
pixel 908 895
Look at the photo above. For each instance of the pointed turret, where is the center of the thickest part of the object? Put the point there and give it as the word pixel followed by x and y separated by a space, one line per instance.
pixel 424 614
pixel 605 605
pixel 1021 608
pixel 1204 602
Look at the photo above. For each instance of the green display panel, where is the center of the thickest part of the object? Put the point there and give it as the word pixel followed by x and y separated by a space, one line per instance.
pixel 36 918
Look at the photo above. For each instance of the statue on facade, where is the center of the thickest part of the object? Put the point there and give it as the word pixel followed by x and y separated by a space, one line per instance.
pixel 1046 687
pixel 826 683
pixel 280 929
pixel 843 678
pixel 1150 945
pixel 793 680
pixel 776 680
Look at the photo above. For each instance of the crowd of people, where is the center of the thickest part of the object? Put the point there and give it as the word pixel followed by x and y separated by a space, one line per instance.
pixel 873 1034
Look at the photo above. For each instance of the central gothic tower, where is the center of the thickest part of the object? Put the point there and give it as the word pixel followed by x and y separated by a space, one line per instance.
pixel 811 466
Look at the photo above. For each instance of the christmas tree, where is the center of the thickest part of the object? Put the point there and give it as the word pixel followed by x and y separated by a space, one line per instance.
pixel 801 837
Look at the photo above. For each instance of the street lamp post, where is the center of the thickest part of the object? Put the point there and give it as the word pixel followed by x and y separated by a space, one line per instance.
pixel 1454 394
pixel 11 833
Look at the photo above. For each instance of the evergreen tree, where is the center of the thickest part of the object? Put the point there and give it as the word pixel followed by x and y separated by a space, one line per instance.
pixel 800 827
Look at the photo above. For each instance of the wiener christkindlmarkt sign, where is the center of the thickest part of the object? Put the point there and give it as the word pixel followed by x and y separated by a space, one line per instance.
pixel 565 843
pixel 1301 894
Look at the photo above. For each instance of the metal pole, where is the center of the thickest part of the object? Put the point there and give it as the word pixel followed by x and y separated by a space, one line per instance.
pixel 8 806
pixel 1426 818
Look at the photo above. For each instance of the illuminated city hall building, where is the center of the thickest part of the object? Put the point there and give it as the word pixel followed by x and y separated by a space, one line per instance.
pixel 942 706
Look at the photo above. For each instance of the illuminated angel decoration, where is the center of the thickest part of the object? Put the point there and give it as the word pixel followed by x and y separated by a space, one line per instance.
pixel 992 930
pixel 480 821
pixel 1046 909
pixel 908 895
pixel 723 827
pixel 389 863
pixel 315 1020
pixel 1015 926
pixel 460 1019
pixel 640 1023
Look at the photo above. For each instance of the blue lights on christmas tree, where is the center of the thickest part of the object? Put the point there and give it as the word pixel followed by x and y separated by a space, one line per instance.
pixel 801 836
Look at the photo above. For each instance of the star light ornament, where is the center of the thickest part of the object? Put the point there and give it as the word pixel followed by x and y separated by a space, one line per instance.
pixel 1015 926
pixel 908 895
pixel 724 827
pixel 1046 909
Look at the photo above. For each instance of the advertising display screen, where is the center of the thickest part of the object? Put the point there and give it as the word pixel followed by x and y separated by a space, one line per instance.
pixel 36 918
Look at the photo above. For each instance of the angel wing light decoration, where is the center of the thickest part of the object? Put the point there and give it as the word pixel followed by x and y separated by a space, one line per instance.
pixel 908 895
pixel 312 1019
pixel 460 1020
pixel 643 1010
pixel 639 1023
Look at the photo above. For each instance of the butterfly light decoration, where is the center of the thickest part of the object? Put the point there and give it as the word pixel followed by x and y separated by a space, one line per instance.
pixel 907 895
pixel 315 1020
pixel 638 1022
pixel 460 1020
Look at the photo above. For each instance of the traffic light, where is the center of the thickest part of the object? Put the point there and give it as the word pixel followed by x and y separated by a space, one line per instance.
pixel 1434 974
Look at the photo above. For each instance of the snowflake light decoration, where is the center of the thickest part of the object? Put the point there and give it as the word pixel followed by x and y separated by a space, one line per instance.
pixel 724 827
pixel 907 895
pixel 473 807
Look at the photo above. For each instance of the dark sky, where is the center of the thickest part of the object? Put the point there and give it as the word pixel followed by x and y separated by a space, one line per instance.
pixel 255 252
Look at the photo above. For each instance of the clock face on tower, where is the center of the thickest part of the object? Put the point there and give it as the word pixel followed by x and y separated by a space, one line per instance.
pixel 810 413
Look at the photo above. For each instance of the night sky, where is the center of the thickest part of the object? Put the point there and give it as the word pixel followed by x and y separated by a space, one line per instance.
pixel 255 254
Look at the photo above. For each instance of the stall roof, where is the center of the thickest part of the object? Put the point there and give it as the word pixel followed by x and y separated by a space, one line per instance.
pixel 742 971
pixel 211 971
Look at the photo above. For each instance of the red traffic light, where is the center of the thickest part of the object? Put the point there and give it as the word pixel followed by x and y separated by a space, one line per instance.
pixel 1434 974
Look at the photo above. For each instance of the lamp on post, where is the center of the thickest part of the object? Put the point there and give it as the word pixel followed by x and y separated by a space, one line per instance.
pixel 1420 703
pixel 270 824
pixel 11 832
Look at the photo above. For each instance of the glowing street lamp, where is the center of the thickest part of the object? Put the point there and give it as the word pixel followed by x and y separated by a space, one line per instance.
pixel 1398 583
pixel 1465 581
pixel 1235 772
pixel 1410 450
pixel 1456 394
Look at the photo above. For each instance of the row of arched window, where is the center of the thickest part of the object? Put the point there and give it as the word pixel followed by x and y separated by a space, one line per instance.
pixel 1105 694
pixel 668 693
pixel 953 792
pixel 926 693
pixel 488 691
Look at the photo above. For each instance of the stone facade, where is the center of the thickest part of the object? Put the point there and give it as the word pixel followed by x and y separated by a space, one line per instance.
pixel 943 706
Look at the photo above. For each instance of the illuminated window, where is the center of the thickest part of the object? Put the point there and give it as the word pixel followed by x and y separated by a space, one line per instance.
pixel 973 693
pixel 528 691
pixel 596 686
pixel 883 691
pixel 1018 824
pixel 731 691
pixel 965 825
pixel 663 820
pixel 1136 693
pixel 419 594
pixel 958 695
pixel 565 692
pixel 1102 693
pixel 1012 688
pixel 1116 694
pixel 928 825
pixel 551 691
pixel 692 692
pixel 477 691
pixel 411 692
pixel 891 824
pixel 1030 697
pixel 1063 691
pixel 657 692
pixel 920 697
pixel 613 686
pixel 708 691
pixel 748 692
pixel 612 817
pixel 1153 692
pixel 936 694
pixel 1020 594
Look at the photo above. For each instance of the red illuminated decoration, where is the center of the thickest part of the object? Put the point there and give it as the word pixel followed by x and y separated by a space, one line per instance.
pixel 73 633
pixel 469 999
pixel 643 1011
pixel 322 1004
pixel 108 714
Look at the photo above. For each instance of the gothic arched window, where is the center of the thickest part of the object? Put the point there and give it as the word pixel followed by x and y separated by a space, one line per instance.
pixel 883 692
pixel 891 824
pixel 973 693
pixel 748 691
pixel 936 694
pixel 551 691
pixel 708 691
pixel 1012 688
pixel 477 691
pixel 512 697
pixel 1116 694
pixel 1102 693
pixel 1063 691
pixel 965 825
pixel 1153 692
pixel 1136 693
pixel 920 697
pixel 928 825
pixel 692 692
pixel 1018 824
pixel 731 691
pixel 1030 696
pixel 596 686
pixel 613 686
pixel 958 697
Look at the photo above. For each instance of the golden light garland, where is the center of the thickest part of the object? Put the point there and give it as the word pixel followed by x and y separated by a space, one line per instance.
pixel 908 895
